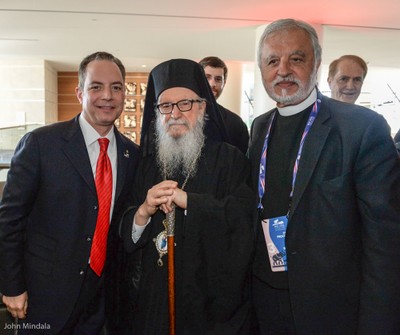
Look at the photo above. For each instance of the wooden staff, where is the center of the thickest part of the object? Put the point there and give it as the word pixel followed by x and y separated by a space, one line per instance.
pixel 170 227
pixel 171 269
pixel 171 284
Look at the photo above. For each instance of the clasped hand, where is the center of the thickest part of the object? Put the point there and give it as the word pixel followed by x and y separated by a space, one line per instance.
pixel 162 196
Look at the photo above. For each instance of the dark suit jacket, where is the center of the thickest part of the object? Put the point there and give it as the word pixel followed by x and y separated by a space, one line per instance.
pixel 236 129
pixel 48 216
pixel 344 227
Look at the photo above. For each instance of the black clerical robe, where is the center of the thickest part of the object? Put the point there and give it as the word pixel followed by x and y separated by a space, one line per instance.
pixel 214 244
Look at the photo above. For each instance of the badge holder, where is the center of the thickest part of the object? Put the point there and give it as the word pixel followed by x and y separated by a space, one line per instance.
pixel 275 233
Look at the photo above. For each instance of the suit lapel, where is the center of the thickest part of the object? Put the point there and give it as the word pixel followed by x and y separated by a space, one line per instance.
pixel 123 155
pixel 312 149
pixel 75 150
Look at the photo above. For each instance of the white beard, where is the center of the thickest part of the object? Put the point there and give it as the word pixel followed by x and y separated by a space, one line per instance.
pixel 179 156
pixel 302 93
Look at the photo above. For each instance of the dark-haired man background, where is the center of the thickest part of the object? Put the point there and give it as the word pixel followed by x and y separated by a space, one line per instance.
pixel 217 73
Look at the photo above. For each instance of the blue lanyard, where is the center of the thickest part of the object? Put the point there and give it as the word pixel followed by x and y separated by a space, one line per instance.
pixel 263 160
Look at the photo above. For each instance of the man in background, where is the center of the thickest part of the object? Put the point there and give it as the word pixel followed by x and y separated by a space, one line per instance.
pixel 346 77
pixel 67 184
pixel 217 72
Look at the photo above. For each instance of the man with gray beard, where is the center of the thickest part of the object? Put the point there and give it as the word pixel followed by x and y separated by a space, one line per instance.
pixel 178 154
pixel 187 168
pixel 327 177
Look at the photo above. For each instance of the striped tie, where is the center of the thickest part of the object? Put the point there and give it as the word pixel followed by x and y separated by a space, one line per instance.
pixel 104 194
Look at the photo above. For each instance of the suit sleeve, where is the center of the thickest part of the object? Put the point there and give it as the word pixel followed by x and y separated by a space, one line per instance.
pixel 377 175
pixel 18 199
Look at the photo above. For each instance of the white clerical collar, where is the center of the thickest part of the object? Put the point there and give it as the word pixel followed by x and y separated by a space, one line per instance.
pixel 294 109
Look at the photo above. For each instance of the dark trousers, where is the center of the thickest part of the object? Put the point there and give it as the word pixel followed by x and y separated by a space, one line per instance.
pixel 87 317
pixel 273 312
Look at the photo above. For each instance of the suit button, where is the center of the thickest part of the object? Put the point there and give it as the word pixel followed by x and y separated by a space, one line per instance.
pixel 81 272
pixel 88 238
pixel 95 207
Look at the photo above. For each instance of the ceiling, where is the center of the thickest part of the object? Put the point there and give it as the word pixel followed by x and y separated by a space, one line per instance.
pixel 147 32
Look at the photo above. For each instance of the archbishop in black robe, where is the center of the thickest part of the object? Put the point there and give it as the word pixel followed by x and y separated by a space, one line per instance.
pixel 213 236
pixel 213 247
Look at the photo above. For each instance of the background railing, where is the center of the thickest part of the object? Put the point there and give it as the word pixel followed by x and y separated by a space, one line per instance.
pixel 10 135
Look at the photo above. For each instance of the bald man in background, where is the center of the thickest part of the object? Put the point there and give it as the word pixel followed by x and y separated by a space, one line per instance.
pixel 346 77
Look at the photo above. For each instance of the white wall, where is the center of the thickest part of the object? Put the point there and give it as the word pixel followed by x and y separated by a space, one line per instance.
pixel 231 97
pixel 28 96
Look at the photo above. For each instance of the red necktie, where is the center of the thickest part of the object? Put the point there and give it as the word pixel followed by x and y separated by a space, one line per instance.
pixel 104 194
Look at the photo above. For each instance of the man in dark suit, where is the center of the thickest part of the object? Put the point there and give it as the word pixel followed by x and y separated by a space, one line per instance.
pixel 50 274
pixel 217 72
pixel 328 182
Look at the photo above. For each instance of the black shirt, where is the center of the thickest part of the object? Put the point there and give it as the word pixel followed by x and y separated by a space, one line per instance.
pixel 282 150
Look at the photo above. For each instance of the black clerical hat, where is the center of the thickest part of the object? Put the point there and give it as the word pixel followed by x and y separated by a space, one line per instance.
pixel 179 73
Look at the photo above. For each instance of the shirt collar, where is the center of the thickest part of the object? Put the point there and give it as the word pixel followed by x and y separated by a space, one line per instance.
pixel 90 134
pixel 292 110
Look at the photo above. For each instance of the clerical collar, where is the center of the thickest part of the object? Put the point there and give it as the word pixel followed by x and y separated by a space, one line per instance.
pixel 292 110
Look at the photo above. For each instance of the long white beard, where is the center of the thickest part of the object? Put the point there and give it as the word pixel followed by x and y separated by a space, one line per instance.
pixel 179 156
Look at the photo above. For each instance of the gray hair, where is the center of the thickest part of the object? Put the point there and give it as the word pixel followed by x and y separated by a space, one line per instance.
pixel 287 24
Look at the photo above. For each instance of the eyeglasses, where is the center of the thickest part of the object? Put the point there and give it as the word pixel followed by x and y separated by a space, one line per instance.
pixel 184 105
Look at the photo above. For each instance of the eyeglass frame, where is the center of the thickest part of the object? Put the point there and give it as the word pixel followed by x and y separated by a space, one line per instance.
pixel 173 104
